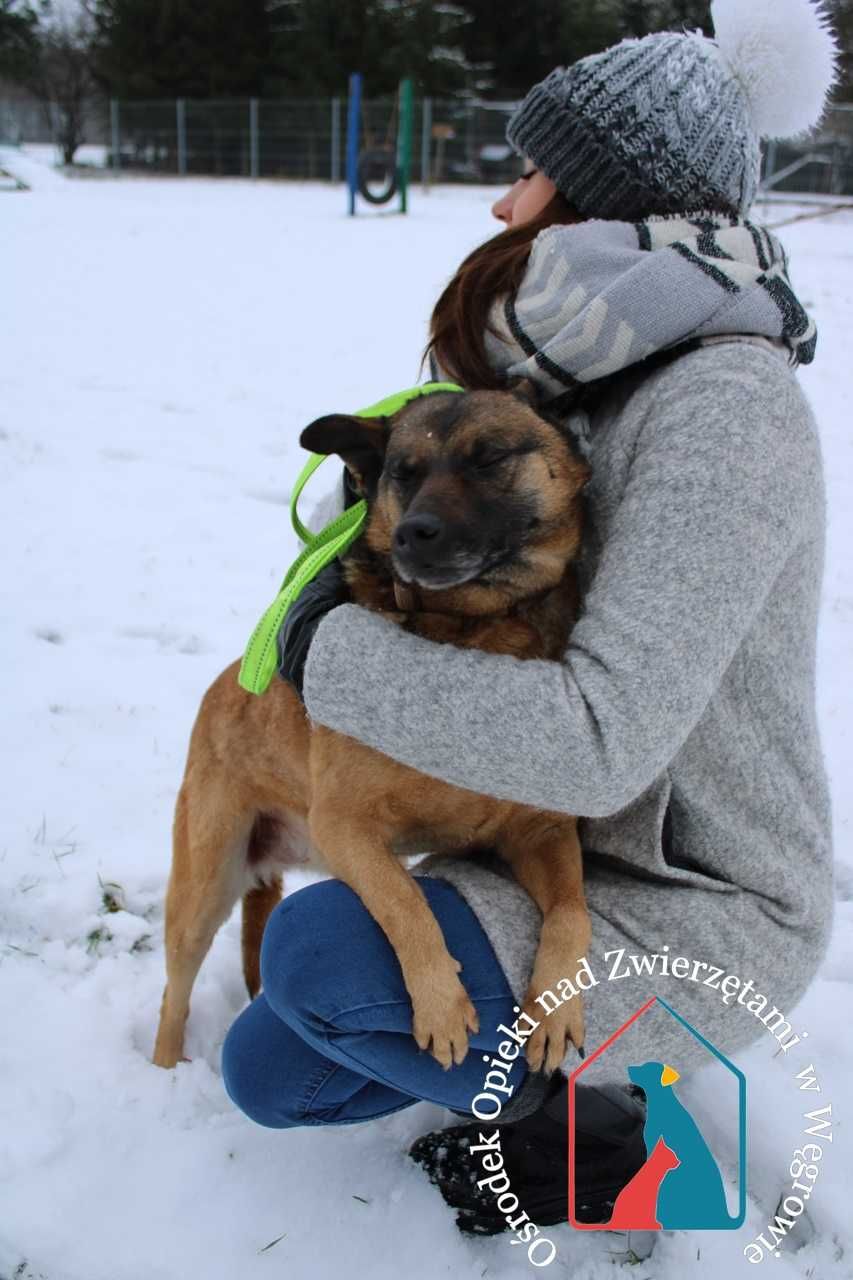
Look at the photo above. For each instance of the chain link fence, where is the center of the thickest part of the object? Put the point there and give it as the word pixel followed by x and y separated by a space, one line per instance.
pixel 454 141
pixel 292 138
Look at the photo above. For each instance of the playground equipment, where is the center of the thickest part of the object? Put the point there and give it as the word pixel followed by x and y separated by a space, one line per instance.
pixel 379 172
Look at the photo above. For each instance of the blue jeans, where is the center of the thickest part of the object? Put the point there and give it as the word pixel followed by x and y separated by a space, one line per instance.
pixel 329 1039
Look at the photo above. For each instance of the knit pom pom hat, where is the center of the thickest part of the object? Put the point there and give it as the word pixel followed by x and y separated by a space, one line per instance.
pixel 673 121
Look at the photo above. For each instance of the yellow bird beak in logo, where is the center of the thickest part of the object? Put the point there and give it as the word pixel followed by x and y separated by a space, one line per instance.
pixel 669 1075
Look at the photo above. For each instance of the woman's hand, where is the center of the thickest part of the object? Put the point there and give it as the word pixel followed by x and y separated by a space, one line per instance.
pixel 323 593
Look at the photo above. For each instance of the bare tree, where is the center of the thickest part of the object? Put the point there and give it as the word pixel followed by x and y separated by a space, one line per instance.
pixel 60 75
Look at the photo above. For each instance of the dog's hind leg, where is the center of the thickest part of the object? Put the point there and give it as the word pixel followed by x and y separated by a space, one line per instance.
pixel 257 905
pixel 208 875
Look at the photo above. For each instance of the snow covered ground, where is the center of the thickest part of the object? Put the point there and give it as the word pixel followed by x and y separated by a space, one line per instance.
pixel 162 343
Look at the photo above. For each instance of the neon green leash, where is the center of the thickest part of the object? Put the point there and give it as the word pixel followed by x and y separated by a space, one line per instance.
pixel 261 657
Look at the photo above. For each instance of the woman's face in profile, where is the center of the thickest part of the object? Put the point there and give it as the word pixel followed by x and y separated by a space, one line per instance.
pixel 525 198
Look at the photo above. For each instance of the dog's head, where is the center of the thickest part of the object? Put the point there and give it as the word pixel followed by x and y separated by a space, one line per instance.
pixel 472 497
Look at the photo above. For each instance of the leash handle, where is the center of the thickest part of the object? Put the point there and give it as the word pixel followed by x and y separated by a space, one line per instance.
pixel 304 535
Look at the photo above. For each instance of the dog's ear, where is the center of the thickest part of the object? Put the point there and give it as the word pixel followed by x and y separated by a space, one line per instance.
pixel 525 389
pixel 359 442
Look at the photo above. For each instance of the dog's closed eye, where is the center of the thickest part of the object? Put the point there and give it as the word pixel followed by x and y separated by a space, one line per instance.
pixel 401 469
pixel 483 461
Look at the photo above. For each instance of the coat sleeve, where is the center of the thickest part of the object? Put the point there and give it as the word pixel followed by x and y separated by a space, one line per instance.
pixel 717 498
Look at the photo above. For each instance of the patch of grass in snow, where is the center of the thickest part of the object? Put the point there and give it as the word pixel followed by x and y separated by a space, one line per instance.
pixel 23 1272
pixel 95 938
pixel 112 896
pixel 60 846
pixel 113 900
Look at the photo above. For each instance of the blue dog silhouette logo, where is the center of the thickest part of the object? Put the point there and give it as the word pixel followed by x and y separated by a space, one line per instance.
pixel 680 1185
pixel 680 1172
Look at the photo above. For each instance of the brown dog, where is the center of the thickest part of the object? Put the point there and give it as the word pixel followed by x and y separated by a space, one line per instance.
pixel 474 520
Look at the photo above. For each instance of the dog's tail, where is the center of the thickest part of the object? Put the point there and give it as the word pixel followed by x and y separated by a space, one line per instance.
pixel 257 905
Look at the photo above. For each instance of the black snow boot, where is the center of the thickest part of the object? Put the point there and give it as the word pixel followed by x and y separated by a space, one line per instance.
pixel 609 1150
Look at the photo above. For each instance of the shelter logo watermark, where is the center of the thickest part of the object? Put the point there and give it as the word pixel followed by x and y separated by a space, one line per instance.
pixel 694 1172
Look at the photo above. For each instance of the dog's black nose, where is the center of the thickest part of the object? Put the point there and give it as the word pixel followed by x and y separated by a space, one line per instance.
pixel 419 535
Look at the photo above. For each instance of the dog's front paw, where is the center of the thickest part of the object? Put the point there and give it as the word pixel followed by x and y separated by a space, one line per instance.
pixel 442 1017
pixel 548 1045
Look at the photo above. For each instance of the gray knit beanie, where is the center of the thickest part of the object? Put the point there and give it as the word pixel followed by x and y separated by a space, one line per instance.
pixel 673 121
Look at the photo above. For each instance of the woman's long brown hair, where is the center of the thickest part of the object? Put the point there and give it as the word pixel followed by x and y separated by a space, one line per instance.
pixel 460 318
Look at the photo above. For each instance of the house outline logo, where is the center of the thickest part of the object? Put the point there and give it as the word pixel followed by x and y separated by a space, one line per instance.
pixel 679 1187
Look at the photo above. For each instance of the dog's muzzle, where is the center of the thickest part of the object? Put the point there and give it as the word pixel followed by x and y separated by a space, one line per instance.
pixel 425 550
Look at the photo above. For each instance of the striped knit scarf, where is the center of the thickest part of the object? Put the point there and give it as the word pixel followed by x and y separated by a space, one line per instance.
pixel 599 296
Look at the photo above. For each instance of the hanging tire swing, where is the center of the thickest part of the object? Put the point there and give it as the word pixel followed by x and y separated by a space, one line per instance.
pixel 379 160
pixel 377 174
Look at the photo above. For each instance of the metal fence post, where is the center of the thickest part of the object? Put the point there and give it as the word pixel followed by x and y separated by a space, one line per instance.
pixel 335 166
pixel 426 139
pixel 181 122
pixel 836 185
pixel 115 137
pixel 770 167
pixel 253 137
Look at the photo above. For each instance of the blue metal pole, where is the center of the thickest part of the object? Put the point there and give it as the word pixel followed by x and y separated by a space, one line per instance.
pixel 353 126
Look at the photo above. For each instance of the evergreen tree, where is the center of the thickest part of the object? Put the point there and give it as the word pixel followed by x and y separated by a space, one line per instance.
pixel 318 43
pixel 520 41
pixel 308 48
pixel 18 39
pixel 588 28
pixel 176 48
pixel 642 17
pixel 635 17
pixel 841 15
pixel 692 14
pixel 428 46
pixel 515 43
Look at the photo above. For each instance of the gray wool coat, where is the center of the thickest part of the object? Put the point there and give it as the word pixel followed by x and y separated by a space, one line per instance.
pixel 680 724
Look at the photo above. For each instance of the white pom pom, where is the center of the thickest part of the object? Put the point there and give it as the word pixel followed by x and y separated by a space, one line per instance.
pixel 785 57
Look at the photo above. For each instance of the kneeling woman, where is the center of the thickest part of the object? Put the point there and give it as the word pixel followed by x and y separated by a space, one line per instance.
pixel 680 723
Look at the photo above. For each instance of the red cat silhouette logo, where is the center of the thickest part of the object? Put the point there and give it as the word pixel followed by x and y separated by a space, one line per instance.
pixel 636 1205
pixel 679 1186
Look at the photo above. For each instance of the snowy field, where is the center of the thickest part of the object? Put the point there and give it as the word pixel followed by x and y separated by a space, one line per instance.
pixel 162 343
